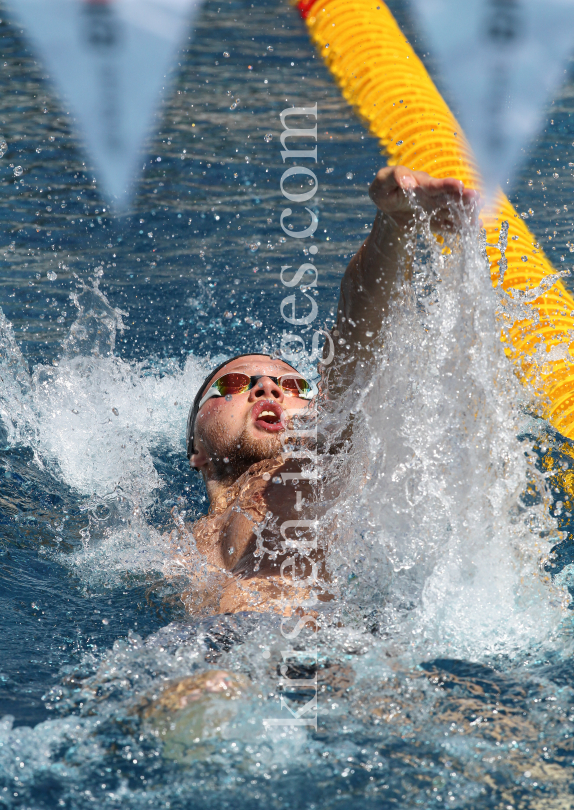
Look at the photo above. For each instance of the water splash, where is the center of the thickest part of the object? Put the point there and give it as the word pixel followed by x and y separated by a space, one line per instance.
pixel 94 420
pixel 97 323
pixel 439 529
pixel 448 542
pixel 436 537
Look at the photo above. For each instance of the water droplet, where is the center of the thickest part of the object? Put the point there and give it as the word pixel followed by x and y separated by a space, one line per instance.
pixel 226 460
pixel 276 479
pixel 105 621
pixel 329 170
pixel 524 258
pixel 270 48
pixel 268 137
pixel 228 314
pixel 115 411
pixel 253 246
pixel 230 550
pixel 51 276
pixel 226 54
pixel 228 397
pixel 18 171
pixel 349 175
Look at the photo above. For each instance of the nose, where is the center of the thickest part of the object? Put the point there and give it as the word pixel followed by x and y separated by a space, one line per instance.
pixel 265 388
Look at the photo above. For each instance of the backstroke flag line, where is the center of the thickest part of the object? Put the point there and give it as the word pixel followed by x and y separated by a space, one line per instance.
pixel 108 60
pixel 502 60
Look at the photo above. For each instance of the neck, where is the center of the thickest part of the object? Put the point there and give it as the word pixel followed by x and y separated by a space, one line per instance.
pixel 219 479
pixel 216 487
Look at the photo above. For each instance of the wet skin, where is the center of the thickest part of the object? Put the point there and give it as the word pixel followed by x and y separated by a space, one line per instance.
pixel 238 441
pixel 242 493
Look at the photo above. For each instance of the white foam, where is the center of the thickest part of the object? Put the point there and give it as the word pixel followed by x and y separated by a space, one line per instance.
pixel 92 417
pixel 98 418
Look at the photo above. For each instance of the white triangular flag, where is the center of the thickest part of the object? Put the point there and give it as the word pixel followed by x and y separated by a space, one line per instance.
pixel 502 60
pixel 109 60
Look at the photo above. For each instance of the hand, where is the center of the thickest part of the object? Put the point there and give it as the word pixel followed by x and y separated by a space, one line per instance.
pixel 398 192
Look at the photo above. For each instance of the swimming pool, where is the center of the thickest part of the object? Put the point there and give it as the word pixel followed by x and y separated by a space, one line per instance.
pixel 444 679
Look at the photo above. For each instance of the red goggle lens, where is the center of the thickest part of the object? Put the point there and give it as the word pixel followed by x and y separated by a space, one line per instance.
pixel 296 387
pixel 233 383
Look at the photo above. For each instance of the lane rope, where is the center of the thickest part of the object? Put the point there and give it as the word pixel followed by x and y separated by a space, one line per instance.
pixel 381 76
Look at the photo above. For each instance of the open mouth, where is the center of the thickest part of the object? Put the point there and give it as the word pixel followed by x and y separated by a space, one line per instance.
pixel 267 415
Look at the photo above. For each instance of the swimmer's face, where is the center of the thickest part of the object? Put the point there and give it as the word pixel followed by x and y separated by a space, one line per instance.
pixel 233 432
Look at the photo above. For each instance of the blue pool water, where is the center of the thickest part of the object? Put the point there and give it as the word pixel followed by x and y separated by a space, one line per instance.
pixel 445 673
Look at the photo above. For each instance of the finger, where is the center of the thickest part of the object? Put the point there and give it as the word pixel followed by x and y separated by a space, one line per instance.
pixel 393 178
pixel 396 188
pixel 472 198
pixel 442 204
pixel 388 178
pixel 388 190
pixel 442 197
pixel 449 186
pixel 450 191
pixel 384 184
pixel 408 179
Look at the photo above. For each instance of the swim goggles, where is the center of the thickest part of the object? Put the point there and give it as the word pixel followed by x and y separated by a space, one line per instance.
pixel 238 383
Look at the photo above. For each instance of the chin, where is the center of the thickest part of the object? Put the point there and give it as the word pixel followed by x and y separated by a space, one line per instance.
pixel 248 449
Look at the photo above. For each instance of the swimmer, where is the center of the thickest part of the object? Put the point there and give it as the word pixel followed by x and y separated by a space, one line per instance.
pixel 236 423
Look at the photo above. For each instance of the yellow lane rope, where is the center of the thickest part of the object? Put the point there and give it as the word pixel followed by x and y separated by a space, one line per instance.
pixel 384 80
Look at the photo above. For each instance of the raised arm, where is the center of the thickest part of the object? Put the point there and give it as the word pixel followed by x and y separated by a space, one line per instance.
pixel 372 275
